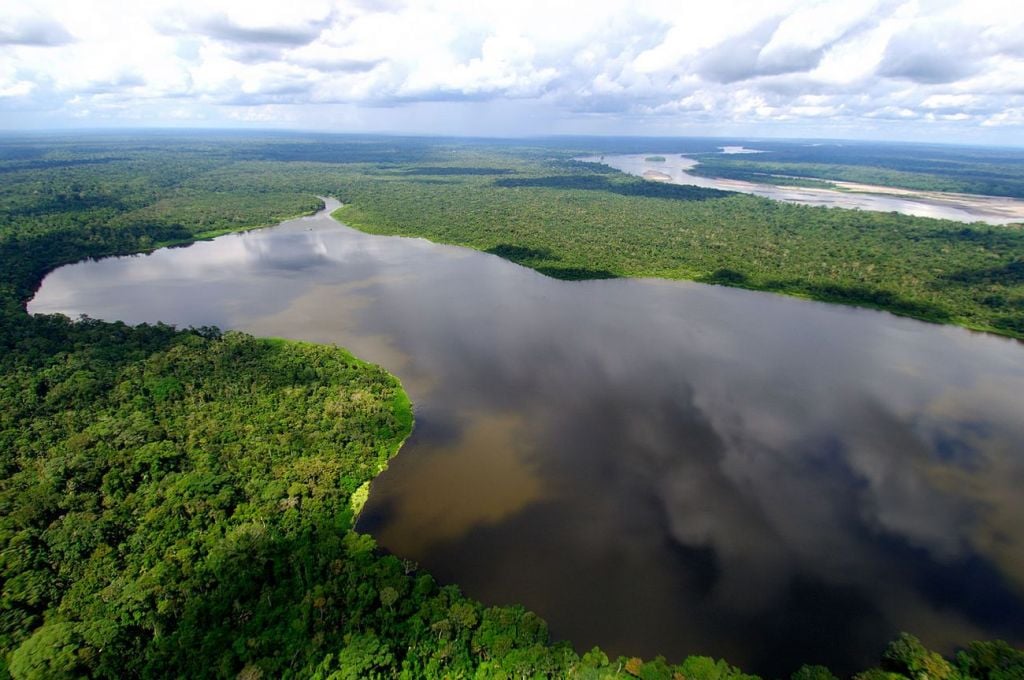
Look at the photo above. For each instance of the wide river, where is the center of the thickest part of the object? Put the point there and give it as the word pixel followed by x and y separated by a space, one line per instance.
pixel 674 169
pixel 657 467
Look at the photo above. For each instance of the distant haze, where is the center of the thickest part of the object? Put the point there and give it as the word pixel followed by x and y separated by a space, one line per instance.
pixel 919 70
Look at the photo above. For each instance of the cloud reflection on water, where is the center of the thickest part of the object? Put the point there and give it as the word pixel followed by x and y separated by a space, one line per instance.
pixel 656 467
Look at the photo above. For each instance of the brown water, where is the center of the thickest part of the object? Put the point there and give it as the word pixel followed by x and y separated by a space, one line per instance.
pixel 674 169
pixel 656 467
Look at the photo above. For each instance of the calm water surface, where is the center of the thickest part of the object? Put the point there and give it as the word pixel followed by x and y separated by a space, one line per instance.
pixel 941 205
pixel 656 467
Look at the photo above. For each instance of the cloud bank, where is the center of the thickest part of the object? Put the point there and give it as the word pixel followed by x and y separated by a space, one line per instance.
pixel 918 69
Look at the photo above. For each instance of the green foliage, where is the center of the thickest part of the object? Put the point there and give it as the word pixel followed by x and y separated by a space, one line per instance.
pixel 991 661
pixel 908 657
pixel 808 672
pixel 180 503
pixel 576 221
pixel 706 668
pixel 566 219
pixel 878 674
pixel 53 652
pixel 192 500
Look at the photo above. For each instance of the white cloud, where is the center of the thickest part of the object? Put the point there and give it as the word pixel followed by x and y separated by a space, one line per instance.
pixel 29 25
pixel 609 65
pixel 1009 117
pixel 17 88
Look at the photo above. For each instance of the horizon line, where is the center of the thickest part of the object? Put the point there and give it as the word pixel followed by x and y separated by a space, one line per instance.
pixel 71 131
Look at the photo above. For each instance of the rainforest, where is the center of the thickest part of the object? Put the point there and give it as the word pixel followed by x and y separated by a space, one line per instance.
pixel 194 500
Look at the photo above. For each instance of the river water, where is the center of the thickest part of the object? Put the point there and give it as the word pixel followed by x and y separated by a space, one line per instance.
pixel 655 467
pixel 674 169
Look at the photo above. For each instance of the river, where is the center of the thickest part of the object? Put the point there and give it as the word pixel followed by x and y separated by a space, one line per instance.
pixel 674 169
pixel 657 467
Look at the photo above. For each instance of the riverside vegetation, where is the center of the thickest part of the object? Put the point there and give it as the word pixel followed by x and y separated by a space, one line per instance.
pixel 920 167
pixel 181 502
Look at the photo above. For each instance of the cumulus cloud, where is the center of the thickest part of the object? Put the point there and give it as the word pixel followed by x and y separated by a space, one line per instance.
pixel 932 54
pixel 23 26
pixel 288 24
pixel 663 66
pixel 221 27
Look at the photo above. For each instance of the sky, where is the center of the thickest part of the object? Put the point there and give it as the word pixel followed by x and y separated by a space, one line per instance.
pixel 916 70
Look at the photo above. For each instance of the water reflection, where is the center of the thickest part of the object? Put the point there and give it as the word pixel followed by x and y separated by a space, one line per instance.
pixel 656 467
pixel 674 168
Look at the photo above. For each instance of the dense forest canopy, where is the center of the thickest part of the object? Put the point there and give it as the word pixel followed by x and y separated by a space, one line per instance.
pixel 531 202
pixel 180 502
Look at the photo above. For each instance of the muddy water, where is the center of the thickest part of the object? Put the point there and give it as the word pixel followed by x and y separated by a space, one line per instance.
pixel 941 205
pixel 655 467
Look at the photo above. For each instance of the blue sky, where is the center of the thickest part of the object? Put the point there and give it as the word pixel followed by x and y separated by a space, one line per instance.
pixel 915 70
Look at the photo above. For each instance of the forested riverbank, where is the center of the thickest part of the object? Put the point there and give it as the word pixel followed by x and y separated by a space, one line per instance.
pixel 580 221
pixel 998 172
pixel 530 204
pixel 180 502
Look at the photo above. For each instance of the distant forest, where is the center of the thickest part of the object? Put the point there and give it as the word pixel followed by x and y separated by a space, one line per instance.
pixel 970 170
pixel 180 502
